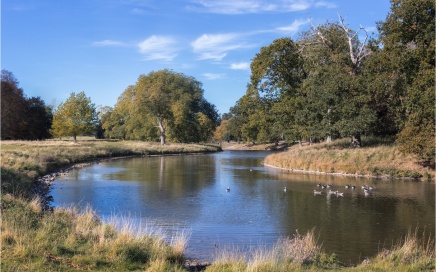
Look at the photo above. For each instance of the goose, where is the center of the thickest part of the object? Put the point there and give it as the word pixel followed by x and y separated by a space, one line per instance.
pixel 367 192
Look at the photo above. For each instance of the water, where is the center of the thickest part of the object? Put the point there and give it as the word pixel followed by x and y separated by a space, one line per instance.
pixel 189 193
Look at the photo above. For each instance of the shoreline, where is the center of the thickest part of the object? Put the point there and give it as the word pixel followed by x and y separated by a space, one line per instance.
pixel 384 177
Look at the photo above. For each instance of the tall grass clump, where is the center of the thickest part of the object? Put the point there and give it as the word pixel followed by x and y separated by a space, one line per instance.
pixel 71 240
pixel 297 253
pixel 413 253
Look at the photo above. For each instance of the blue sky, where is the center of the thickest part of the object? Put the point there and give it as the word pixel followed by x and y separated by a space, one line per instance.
pixel 55 47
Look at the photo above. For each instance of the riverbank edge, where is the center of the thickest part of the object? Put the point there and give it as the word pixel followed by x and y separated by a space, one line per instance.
pixel 42 184
pixel 384 176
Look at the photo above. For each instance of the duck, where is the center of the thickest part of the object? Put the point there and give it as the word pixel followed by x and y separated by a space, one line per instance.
pixel 228 189
pixel 339 193
pixel 315 192
pixel 285 189
pixel 353 187
pixel 347 186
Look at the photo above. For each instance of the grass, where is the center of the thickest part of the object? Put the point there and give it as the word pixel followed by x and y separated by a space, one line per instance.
pixel 23 161
pixel 383 160
pixel 304 253
pixel 66 239
pixel 36 239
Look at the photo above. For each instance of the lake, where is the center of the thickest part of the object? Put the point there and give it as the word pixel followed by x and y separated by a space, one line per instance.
pixel 189 192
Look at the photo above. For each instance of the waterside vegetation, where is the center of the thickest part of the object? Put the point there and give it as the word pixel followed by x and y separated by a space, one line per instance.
pixel 40 239
pixel 379 159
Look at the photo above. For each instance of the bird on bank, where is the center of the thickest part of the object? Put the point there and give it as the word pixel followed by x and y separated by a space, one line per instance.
pixel 285 189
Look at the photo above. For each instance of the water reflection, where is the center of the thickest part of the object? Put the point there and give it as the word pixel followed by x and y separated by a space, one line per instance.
pixel 190 192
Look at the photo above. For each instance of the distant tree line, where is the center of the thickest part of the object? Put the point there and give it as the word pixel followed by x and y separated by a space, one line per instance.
pixel 335 82
pixel 161 105
pixel 22 118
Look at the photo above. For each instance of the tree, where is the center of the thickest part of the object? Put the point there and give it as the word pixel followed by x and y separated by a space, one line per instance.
pixel 13 105
pixel 276 76
pixel 22 117
pixel 39 118
pixel 174 101
pixel 76 116
pixel 335 87
pixel 408 39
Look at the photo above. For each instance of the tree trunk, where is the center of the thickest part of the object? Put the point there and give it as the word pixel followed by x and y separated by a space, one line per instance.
pixel 356 141
pixel 162 132
pixel 75 138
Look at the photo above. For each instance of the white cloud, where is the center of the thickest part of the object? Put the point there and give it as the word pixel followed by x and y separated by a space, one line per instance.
pixel 322 4
pixel 240 66
pixel 255 6
pixel 293 28
pixel 158 47
pixel 108 43
pixel 216 46
pixel 211 76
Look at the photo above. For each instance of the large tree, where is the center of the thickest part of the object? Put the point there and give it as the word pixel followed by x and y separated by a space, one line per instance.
pixel 334 89
pixel 13 105
pixel 408 40
pixel 162 104
pixel 22 117
pixel 76 116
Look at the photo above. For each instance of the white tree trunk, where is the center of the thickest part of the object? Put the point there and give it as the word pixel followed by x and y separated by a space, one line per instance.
pixel 162 131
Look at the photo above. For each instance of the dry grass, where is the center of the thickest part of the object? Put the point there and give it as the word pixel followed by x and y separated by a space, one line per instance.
pixel 72 240
pixel 297 253
pixel 379 161
pixel 23 161
pixel 410 254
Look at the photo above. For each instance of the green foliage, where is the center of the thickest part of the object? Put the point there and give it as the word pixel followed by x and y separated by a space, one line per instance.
pixel 330 84
pixel 74 117
pixel 162 104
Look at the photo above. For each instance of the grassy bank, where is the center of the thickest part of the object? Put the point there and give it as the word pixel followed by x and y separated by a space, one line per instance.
pixel 23 161
pixel 304 253
pixel 383 160
pixel 36 239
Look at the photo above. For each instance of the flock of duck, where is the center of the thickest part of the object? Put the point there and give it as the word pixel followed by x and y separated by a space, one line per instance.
pixel 367 190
